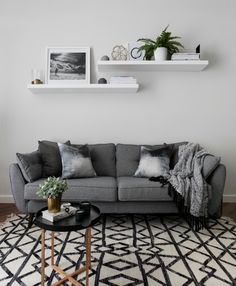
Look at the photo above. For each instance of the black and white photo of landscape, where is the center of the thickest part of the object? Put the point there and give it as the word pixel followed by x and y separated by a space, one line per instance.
pixel 68 66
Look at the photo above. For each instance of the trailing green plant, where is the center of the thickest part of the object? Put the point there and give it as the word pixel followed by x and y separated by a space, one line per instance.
pixel 165 40
pixel 52 188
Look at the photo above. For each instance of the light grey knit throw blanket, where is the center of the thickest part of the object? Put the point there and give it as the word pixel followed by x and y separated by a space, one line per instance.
pixel 188 181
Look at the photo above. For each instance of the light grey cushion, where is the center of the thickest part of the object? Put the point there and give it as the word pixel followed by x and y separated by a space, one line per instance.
pixel 30 165
pixel 92 189
pixel 76 162
pixel 141 189
pixel 127 158
pixel 153 162
pixel 103 158
pixel 51 158
pixel 210 164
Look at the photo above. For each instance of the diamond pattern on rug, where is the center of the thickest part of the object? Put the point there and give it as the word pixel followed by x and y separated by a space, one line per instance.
pixel 127 250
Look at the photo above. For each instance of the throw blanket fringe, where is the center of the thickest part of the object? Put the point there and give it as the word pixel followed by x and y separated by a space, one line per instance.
pixel 196 223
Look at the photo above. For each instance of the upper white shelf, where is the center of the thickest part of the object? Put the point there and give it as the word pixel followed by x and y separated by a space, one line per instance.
pixel 124 66
pixel 84 88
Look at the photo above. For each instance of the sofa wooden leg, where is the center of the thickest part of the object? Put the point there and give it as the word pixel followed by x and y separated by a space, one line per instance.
pixel 30 220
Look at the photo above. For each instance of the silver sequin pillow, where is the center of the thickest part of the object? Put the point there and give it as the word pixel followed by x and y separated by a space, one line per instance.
pixel 76 162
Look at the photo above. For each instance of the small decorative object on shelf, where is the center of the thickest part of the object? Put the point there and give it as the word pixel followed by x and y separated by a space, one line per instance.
pixel 119 53
pixel 36 81
pixel 36 77
pixel 102 81
pixel 198 49
pixel 160 47
pixel 52 190
pixel 135 54
pixel 105 58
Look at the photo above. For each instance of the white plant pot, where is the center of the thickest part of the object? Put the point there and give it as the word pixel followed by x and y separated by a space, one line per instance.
pixel 160 54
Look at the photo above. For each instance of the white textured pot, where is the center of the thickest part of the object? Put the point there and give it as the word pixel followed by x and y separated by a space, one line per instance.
pixel 160 54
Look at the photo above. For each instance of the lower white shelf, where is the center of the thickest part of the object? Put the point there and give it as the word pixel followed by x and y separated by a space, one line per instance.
pixel 85 88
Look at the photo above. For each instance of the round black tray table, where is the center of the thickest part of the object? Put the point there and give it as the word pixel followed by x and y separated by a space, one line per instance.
pixel 66 225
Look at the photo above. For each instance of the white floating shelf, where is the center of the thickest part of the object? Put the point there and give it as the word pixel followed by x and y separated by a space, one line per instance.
pixel 124 66
pixel 84 88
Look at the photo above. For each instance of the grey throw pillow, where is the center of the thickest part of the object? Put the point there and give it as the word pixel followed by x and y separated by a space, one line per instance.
pixel 76 162
pixel 153 162
pixel 51 158
pixel 30 165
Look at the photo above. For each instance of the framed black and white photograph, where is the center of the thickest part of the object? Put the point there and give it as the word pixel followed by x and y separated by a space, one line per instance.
pixel 68 65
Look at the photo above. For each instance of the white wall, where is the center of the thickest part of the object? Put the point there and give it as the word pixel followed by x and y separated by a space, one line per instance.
pixel 198 107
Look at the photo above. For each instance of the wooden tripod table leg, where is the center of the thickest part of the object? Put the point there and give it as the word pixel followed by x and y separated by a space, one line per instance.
pixel 52 248
pixel 42 257
pixel 75 273
pixel 67 277
pixel 88 253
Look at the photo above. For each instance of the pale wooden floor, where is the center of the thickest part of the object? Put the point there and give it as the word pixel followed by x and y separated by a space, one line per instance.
pixel 229 210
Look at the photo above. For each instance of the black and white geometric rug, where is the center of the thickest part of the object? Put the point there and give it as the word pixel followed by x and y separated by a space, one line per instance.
pixel 126 251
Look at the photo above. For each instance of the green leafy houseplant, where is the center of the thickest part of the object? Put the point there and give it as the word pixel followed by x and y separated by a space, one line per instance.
pixel 165 40
pixel 52 188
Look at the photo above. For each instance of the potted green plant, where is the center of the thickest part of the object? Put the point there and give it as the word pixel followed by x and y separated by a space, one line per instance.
pixel 164 44
pixel 52 190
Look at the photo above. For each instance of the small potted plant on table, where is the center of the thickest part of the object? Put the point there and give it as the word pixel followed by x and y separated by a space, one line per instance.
pixel 160 48
pixel 52 190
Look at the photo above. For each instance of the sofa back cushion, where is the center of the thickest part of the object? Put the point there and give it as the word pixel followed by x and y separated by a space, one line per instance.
pixel 128 156
pixel 174 156
pixel 103 158
pixel 51 158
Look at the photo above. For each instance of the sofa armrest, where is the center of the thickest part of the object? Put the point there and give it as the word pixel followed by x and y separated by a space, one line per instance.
pixel 217 182
pixel 210 163
pixel 17 187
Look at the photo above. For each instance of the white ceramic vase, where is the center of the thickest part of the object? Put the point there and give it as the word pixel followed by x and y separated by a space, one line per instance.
pixel 160 54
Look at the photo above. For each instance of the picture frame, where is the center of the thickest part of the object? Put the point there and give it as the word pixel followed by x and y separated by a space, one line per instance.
pixel 68 65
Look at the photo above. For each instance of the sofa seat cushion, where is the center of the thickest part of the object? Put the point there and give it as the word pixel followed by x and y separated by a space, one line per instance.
pixel 91 189
pixel 141 189
pixel 103 158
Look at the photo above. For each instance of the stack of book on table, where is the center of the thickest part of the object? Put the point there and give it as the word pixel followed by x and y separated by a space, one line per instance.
pixel 60 215
pixel 185 56
pixel 123 80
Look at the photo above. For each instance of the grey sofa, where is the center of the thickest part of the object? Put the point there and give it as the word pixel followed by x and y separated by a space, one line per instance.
pixel 115 190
